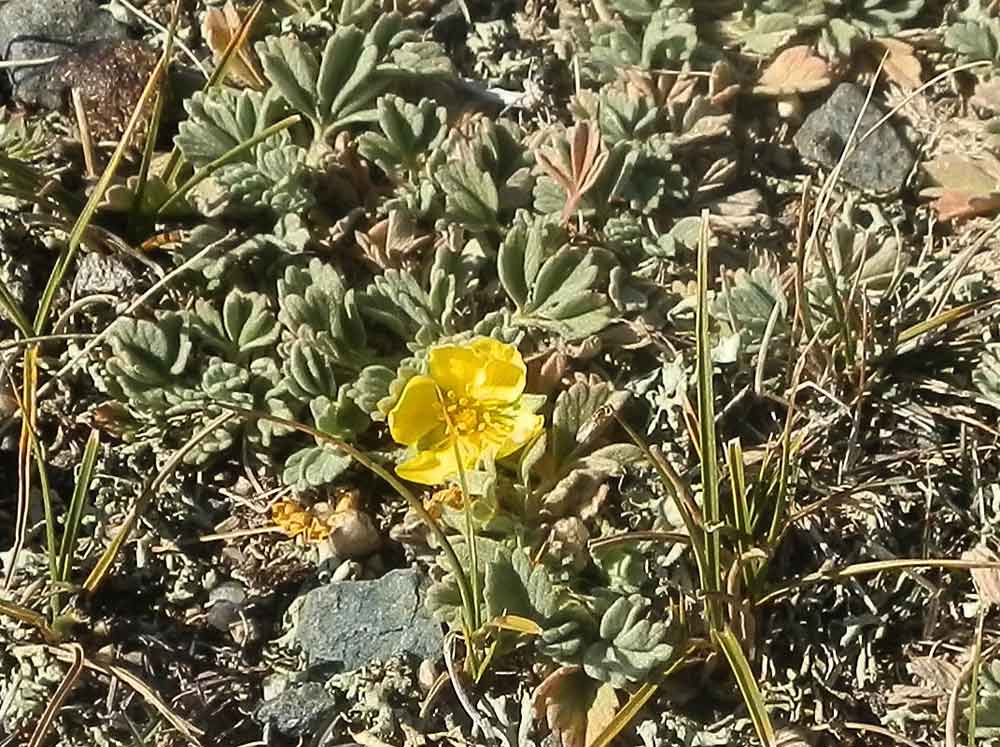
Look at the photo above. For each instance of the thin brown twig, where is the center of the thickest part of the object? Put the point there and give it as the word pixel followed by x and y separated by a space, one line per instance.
pixel 62 692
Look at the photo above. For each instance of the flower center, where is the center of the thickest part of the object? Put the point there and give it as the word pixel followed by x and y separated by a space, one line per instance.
pixel 466 416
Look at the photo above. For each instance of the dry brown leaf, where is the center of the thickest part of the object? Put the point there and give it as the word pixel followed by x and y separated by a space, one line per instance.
pixel 218 28
pixel 546 370
pixel 986 580
pixel 576 708
pixel 796 70
pixel 937 672
pixel 963 185
pixel 901 66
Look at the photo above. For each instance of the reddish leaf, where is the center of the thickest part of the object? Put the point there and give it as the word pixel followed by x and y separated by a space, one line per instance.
pixel 576 708
pixel 795 70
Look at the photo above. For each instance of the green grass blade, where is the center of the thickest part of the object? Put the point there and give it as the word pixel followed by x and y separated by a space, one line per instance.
pixel 730 646
pixel 85 217
pixel 71 531
pixel 706 434
pixel 15 314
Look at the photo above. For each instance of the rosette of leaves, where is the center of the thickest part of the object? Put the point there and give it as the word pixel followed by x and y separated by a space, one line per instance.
pixel 317 307
pixel 152 368
pixel 648 34
pixel 626 646
pixel 484 175
pixel 975 35
pixel 550 281
pixel 765 26
pixel 272 174
pixel 409 132
pixel 337 89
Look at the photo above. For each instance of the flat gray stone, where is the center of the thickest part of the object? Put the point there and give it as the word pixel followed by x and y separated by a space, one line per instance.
pixel 35 29
pixel 299 710
pixel 880 164
pixel 353 623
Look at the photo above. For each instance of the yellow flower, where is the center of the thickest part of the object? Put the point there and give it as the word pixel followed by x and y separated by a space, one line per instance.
pixel 470 405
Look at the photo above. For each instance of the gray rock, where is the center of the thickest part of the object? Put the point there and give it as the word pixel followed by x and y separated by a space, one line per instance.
pixel 34 29
pixel 299 710
pixel 103 273
pixel 352 623
pixel 880 164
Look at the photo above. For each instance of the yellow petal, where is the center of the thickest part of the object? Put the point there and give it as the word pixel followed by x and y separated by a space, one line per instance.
pixel 526 426
pixel 504 372
pixel 454 368
pixel 430 467
pixel 486 370
pixel 417 412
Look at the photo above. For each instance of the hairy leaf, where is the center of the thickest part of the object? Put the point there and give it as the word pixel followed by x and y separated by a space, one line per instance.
pixel 552 290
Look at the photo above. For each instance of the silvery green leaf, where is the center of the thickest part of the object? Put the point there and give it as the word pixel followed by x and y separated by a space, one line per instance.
pixel 581 415
pixel 330 91
pixel 226 381
pixel 471 197
pixel 631 646
pixel 624 567
pixel 315 466
pixel 428 58
pixel 625 117
pixel 770 33
pixel 220 119
pixel 517 586
pixel 277 178
pixel 245 326
pixel 341 417
pixel 523 252
pixel 409 131
pixel 748 302
pixel 308 372
pixel 291 66
pixel 667 42
pixel 148 355
pixel 397 301
pixel 986 375
pixel 974 40
pixel 839 39
pixel 316 306
pixel 625 294
pixel 551 291
pixel 371 386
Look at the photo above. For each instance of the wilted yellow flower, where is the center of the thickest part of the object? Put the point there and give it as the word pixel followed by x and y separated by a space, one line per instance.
pixel 296 520
pixel 471 404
